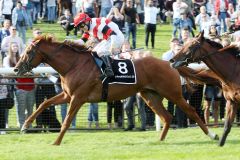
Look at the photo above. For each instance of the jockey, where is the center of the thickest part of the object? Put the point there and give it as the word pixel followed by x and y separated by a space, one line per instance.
pixel 104 30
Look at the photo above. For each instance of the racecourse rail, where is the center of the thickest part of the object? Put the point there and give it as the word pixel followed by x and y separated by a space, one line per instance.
pixel 82 116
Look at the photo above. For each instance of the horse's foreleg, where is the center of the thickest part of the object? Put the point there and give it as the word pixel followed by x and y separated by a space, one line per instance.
pixel 75 105
pixel 191 113
pixel 58 99
pixel 231 109
pixel 154 101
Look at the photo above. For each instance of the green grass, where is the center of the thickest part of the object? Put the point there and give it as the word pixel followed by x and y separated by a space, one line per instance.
pixel 188 144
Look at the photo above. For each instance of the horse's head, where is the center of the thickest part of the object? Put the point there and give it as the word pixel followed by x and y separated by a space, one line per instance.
pixel 190 52
pixel 29 59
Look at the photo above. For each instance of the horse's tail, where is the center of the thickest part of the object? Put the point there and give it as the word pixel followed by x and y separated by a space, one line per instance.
pixel 199 76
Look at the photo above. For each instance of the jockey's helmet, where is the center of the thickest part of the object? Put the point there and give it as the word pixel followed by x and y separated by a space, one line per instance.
pixel 81 18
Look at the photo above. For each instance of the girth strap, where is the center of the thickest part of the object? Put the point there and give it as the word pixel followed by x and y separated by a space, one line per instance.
pixel 105 82
pixel 105 90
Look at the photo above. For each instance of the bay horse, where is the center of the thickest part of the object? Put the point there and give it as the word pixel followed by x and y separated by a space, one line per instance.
pixel 81 83
pixel 223 61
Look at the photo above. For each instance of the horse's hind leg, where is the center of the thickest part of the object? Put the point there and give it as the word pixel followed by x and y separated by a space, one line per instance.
pixel 191 113
pixel 58 99
pixel 154 101
pixel 230 115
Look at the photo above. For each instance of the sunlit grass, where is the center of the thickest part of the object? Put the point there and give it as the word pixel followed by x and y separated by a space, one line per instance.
pixel 189 144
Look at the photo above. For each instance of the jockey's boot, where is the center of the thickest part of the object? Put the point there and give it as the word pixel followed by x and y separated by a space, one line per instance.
pixel 108 70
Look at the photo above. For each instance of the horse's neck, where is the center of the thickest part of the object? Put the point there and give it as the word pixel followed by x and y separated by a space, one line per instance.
pixel 222 64
pixel 65 60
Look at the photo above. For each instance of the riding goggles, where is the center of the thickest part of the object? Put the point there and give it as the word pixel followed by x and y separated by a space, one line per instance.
pixel 82 25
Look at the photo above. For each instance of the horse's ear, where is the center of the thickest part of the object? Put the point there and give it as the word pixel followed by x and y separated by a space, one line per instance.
pixel 201 36
pixel 198 35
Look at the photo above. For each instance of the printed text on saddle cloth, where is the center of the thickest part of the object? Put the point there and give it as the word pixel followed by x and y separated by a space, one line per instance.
pixel 124 72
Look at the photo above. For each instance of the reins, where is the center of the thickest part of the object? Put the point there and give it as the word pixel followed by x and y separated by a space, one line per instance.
pixel 35 48
pixel 76 49
pixel 208 55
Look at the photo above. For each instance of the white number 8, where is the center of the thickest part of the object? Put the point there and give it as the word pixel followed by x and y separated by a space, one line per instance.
pixel 122 67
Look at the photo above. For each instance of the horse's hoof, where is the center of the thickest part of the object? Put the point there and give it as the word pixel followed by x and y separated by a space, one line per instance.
pixel 162 139
pixel 221 143
pixel 216 137
pixel 24 130
pixel 213 136
pixel 56 144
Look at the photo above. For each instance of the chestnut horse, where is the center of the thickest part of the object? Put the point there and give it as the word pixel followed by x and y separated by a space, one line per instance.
pixel 81 83
pixel 199 76
pixel 224 63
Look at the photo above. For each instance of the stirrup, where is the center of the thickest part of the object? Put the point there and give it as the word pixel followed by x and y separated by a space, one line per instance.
pixel 102 76
pixel 109 72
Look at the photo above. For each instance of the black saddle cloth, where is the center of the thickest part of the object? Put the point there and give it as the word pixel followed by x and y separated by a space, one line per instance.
pixel 124 70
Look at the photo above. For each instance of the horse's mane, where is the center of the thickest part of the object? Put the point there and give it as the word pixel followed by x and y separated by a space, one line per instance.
pixel 44 37
pixel 232 49
pixel 214 44
pixel 71 44
pixel 75 45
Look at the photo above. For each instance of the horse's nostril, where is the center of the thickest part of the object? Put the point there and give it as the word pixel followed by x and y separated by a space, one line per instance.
pixel 15 70
pixel 171 60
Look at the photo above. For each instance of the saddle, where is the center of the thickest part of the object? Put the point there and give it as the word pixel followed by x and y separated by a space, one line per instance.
pixel 124 73
pixel 238 55
pixel 124 70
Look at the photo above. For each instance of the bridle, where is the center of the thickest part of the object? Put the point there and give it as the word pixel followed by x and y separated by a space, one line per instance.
pixel 191 51
pixel 27 66
pixel 201 58
pixel 196 48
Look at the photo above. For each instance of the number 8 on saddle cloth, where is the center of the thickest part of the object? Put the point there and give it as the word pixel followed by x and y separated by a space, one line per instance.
pixel 124 70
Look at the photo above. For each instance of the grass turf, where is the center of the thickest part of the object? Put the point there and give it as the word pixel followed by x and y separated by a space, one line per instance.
pixel 188 144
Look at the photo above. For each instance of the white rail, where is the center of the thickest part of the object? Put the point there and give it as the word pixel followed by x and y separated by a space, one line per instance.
pixel 37 70
pixel 50 70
